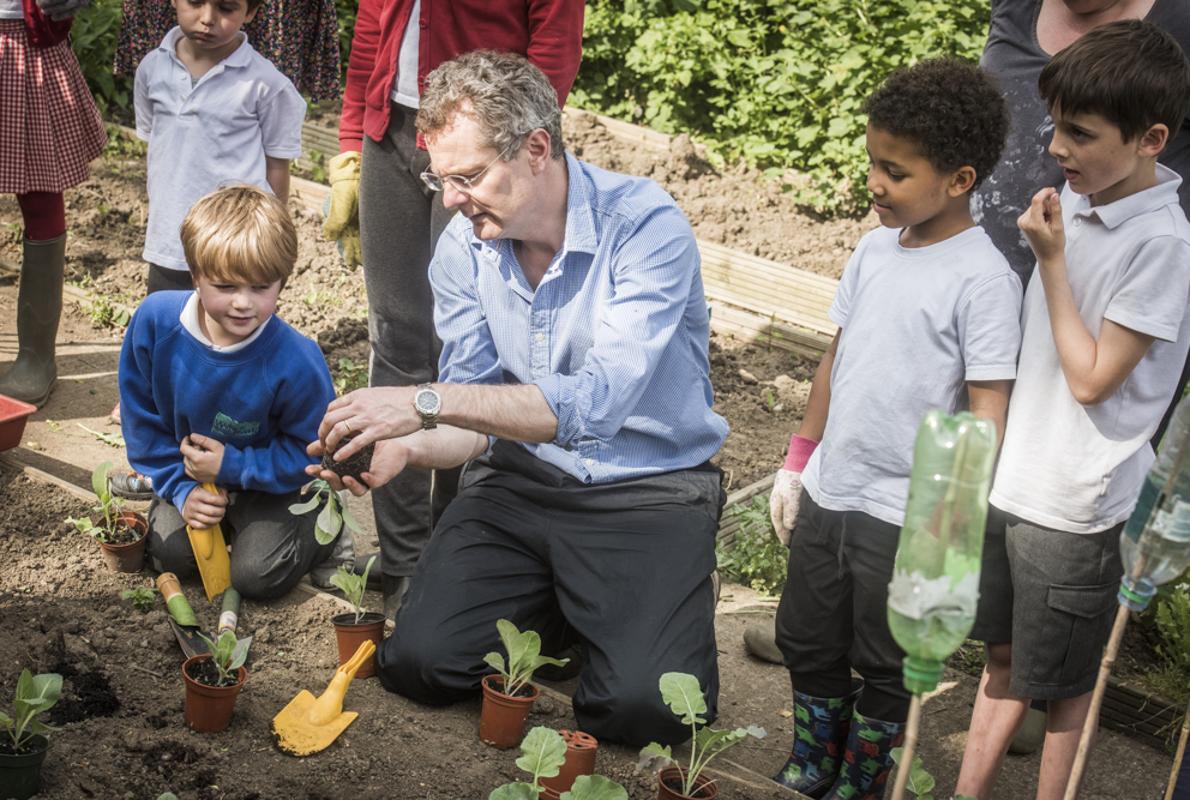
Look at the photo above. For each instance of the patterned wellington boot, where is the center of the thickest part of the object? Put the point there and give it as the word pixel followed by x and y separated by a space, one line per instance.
pixel 867 761
pixel 819 733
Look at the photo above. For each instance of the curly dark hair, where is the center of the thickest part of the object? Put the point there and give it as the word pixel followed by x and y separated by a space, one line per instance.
pixel 950 107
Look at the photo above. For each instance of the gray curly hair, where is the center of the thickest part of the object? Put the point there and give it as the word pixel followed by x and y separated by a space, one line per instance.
pixel 508 97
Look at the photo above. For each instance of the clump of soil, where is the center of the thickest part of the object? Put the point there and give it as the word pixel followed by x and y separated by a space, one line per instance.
pixel 86 693
pixel 354 465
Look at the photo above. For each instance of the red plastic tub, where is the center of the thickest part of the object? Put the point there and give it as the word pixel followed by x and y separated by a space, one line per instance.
pixel 12 421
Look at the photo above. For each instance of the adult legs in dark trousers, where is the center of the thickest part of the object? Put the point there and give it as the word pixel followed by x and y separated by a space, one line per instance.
pixel 400 221
pixel 271 549
pixel 624 568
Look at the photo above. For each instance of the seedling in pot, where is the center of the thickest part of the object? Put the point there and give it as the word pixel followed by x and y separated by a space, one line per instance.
pixel 143 598
pixel 109 525
pixel 354 465
pixel 524 657
pixel 542 754
pixel 332 517
pixel 35 694
pixel 684 696
pixel 353 587
pixel 228 654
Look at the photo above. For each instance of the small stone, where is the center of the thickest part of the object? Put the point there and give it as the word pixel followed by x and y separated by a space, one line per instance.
pixel 748 377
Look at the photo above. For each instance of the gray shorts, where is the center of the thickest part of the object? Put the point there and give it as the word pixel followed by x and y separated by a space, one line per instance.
pixel 1052 594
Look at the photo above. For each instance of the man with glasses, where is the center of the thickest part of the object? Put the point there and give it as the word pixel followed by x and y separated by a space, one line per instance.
pixel 395 44
pixel 575 375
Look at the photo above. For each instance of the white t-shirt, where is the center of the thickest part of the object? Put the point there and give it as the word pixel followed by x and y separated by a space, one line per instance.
pixel 1079 468
pixel 11 9
pixel 208 134
pixel 918 323
pixel 405 91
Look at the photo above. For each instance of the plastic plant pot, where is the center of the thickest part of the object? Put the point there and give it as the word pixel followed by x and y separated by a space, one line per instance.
pixel 209 708
pixel 580 760
pixel 13 414
pixel 20 774
pixel 128 557
pixel 502 718
pixel 349 634
pixel 669 786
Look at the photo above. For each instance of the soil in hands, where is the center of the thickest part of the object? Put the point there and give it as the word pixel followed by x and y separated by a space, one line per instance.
pixel 354 465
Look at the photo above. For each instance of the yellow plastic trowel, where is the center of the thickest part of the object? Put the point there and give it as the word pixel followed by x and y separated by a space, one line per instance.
pixel 308 725
pixel 210 551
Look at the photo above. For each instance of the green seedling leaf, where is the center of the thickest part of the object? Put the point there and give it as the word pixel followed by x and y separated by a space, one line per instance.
pixel 514 791
pixel 595 787
pixel 655 757
pixel 496 662
pixel 348 520
pixel 143 598
pixel 309 505
pixel 329 523
pixel 110 439
pixel 544 752
pixel 34 694
pixel 353 586
pixel 99 483
pixel 683 695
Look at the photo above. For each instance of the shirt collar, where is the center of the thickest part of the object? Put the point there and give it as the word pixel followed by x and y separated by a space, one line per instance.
pixel 1120 211
pixel 189 320
pixel 239 57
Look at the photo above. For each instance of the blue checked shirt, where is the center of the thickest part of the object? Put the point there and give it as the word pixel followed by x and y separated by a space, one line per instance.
pixel 615 335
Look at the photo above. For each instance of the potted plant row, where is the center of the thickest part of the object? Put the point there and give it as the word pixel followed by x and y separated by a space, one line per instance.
pixel 213 681
pixel 508 696
pixel 24 747
pixel 543 756
pixel 120 533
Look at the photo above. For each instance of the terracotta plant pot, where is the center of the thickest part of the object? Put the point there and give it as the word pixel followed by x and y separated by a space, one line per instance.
pixel 209 708
pixel 13 414
pixel 350 633
pixel 20 775
pixel 502 718
pixel 128 557
pixel 580 760
pixel 669 786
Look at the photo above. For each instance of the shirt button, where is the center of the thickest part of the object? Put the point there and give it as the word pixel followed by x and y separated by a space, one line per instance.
pixel 540 337
pixel 589 461
pixel 1078 221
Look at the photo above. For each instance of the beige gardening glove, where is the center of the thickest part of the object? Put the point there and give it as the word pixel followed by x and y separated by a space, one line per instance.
pixel 342 220
pixel 787 487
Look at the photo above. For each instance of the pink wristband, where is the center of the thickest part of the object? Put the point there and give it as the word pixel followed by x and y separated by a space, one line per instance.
pixel 800 450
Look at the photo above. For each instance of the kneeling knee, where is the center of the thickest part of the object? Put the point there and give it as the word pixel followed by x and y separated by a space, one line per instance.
pixel 421 670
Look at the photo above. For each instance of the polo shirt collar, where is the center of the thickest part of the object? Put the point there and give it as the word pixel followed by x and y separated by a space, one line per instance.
pixel 1117 213
pixel 239 58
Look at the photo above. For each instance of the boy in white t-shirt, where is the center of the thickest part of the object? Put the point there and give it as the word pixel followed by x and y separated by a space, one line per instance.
pixel 1106 333
pixel 928 313
pixel 214 111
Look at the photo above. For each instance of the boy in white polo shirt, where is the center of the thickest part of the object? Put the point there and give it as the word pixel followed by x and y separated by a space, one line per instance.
pixel 1106 333
pixel 928 314
pixel 213 111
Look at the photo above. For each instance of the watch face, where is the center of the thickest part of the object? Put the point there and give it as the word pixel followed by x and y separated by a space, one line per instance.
pixel 426 401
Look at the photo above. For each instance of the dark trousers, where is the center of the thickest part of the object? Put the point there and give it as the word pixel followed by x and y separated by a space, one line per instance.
pixel 400 221
pixel 833 614
pixel 271 549
pixel 162 279
pixel 622 568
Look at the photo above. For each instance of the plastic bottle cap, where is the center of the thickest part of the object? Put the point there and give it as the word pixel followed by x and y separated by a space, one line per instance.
pixel 921 675
pixel 1137 597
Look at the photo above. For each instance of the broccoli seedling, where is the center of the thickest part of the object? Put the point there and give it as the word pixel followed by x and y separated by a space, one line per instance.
pixel 543 752
pixel 35 694
pixel 332 517
pixel 353 586
pixel 524 657
pixel 228 654
pixel 142 597
pixel 684 696
pixel 109 507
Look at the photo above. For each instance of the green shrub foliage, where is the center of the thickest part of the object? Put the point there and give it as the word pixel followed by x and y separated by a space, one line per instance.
pixel 93 37
pixel 777 83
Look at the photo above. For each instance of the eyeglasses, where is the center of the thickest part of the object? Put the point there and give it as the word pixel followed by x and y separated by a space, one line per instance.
pixel 465 183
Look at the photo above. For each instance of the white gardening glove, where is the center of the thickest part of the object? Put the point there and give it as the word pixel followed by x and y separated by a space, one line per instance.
pixel 787 487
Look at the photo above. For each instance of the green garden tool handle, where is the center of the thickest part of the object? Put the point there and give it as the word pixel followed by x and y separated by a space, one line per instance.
pixel 179 608
pixel 229 611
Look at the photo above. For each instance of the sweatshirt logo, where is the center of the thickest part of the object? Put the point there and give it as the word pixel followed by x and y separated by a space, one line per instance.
pixel 228 428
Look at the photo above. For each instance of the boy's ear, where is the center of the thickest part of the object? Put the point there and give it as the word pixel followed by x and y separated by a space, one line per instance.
pixel 961 181
pixel 1153 141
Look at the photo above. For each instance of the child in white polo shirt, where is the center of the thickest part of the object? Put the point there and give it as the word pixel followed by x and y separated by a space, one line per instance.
pixel 213 111
pixel 1106 332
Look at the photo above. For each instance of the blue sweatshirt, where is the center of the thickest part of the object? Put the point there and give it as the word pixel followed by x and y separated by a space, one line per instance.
pixel 263 402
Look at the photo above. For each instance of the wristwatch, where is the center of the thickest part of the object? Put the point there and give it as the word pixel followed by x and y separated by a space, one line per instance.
pixel 428 405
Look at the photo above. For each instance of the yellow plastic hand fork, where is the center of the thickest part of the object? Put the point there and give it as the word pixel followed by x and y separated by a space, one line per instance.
pixel 210 553
pixel 308 725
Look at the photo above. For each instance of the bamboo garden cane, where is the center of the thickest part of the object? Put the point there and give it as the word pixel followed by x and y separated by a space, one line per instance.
pixel 1181 754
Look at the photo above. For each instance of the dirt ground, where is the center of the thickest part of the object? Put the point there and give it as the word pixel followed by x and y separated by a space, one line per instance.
pixel 122 733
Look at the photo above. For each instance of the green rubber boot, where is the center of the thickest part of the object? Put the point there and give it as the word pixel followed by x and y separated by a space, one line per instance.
pixel 867 761
pixel 39 307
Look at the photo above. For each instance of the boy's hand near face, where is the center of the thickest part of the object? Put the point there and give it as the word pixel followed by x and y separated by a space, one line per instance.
pixel 202 457
pixel 203 509
pixel 1042 225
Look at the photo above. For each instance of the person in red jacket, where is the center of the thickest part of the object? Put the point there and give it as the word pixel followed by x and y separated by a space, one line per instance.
pixel 381 211
pixel 50 131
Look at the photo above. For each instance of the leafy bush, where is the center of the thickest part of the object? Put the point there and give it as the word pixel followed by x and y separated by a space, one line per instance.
pixel 93 37
pixel 756 557
pixel 1172 615
pixel 777 83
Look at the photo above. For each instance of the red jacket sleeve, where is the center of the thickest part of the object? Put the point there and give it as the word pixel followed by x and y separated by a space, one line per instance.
pixel 365 43
pixel 556 41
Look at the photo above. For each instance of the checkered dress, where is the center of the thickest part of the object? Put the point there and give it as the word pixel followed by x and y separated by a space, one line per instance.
pixel 50 129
